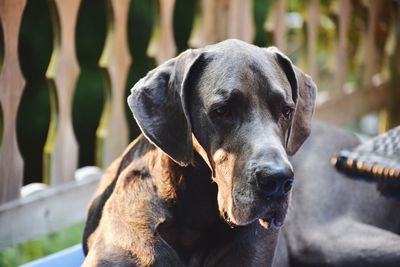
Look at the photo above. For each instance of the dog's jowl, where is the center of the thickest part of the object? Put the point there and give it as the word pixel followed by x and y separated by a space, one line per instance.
pixel 208 182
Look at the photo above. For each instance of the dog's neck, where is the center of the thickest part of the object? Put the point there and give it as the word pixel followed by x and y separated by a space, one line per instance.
pixel 192 197
pixel 189 190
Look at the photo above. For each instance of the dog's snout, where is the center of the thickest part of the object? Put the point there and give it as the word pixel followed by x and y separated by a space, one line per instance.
pixel 275 181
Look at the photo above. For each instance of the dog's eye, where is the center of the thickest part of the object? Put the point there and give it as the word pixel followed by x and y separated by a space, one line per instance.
pixel 221 111
pixel 286 113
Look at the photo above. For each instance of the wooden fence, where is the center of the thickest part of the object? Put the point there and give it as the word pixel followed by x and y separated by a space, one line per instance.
pixel 297 30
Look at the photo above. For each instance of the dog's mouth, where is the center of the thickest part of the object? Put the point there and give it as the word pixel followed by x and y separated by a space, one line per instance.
pixel 273 219
pixel 244 207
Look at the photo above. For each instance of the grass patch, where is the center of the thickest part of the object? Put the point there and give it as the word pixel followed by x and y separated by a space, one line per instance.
pixel 40 247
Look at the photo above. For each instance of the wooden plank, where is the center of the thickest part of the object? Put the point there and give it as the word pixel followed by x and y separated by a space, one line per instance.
pixel 347 108
pixel 115 61
pixel 312 38
pixel 341 64
pixel 393 116
pixel 223 19
pixel 12 84
pixel 276 23
pixel 60 155
pixel 203 31
pixel 241 20
pixel 48 211
pixel 162 45
pixel 379 23
pixel 219 20
pixel 220 13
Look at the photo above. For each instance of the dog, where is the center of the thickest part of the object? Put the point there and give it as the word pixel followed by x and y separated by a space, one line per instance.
pixel 208 181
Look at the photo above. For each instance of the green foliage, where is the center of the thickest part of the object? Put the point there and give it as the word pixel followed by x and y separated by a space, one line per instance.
pixel 40 247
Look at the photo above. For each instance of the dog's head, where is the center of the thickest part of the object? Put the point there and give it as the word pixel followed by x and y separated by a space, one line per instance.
pixel 244 109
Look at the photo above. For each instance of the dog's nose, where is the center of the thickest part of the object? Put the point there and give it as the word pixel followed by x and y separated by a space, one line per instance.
pixel 275 181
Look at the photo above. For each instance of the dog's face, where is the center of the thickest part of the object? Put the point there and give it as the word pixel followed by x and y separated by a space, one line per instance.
pixel 244 108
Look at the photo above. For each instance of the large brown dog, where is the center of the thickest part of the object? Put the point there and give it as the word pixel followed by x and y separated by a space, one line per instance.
pixel 208 182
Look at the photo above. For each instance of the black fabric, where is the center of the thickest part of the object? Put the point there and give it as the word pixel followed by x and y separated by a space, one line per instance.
pixel 377 160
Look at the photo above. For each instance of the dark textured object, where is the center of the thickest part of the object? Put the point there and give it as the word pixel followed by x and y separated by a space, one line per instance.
pixel 377 160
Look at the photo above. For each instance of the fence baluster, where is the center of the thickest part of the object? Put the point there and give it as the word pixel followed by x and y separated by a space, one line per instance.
pixel 112 133
pixel 219 20
pixel 203 31
pixel 241 21
pixel 393 114
pixel 378 31
pixel 276 23
pixel 312 35
pixel 12 84
pixel 61 149
pixel 162 45
pixel 341 61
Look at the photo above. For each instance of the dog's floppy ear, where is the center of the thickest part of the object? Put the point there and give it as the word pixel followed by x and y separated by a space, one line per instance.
pixel 304 93
pixel 158 106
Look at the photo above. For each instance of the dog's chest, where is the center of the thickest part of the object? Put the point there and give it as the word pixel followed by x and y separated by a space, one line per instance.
pixel 195 225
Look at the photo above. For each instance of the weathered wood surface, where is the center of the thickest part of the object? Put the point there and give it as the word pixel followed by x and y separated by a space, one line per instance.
pixel 162 45
pixel 312 38
pixel 378 30
pixel 48 211
pixel 276 23
pixel 348 107
pixel 393 118
pixel 12 84
pixel 112 133
pixel 341 59
pixel 241 20
pixel 203 31
pixel 60 158
pixel 219 20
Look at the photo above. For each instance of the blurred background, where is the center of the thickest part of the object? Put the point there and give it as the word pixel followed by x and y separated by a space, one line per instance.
pixel 350 48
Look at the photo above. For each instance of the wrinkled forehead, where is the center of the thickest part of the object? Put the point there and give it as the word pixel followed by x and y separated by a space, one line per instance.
pixel 252 74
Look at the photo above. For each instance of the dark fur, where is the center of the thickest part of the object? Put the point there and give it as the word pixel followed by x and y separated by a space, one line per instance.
pixel 334 220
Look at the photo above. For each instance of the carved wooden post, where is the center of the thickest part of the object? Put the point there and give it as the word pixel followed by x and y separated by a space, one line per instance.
pixel 203 32
pixel 312 35
pixel 341 60
pixel 112 133
pixel 241 21
pixel 393 118
pixel 12 84
pixel 61 149
pixel 221 14
pixel 222 19
pixel 162 45
pixel 379 21
pixel 276 23
pixel 378 31
pixel 372 61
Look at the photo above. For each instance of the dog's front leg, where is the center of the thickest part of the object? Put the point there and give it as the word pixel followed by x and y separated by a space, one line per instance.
pixel 163 256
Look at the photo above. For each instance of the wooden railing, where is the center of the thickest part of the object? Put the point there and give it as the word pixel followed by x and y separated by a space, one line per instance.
pixel 297 30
